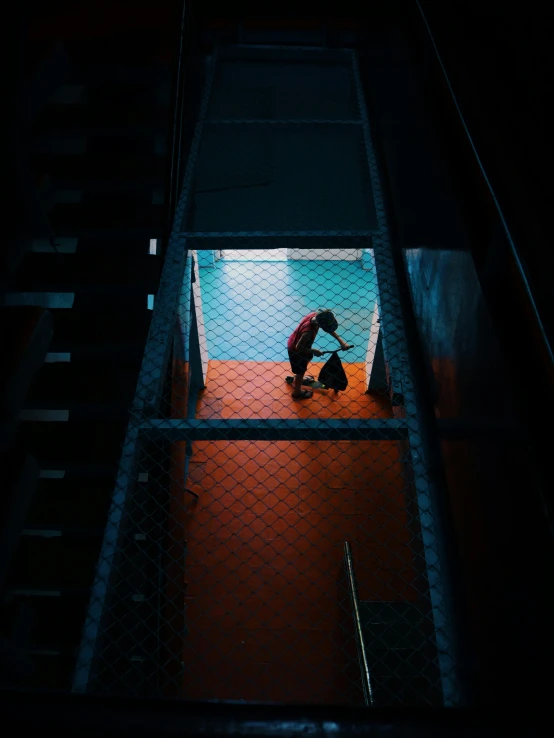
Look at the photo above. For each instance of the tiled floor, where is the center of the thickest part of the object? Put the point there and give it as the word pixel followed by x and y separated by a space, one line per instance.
pixel 250 389
pixel 267 612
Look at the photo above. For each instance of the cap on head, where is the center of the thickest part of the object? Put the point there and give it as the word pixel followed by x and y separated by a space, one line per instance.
pixel 326 321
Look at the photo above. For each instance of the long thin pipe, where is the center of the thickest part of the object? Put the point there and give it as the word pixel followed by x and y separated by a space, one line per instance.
pixel 364 664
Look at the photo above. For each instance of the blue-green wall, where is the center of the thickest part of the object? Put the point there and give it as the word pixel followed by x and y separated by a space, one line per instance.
pixel 250 308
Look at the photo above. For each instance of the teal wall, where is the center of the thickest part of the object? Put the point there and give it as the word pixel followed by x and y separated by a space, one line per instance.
pixel 250 308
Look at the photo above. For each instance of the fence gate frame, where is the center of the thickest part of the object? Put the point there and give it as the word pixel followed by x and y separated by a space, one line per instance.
pixel 172 305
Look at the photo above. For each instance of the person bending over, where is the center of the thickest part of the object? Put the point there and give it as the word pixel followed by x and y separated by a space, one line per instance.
pixel 300 347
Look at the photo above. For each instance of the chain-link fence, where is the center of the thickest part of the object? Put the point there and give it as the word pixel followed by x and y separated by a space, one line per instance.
pixel 223 571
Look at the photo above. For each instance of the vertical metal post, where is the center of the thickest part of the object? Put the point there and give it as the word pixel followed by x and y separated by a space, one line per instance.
pixel 196 381
pixel 398 361
pixel 378 377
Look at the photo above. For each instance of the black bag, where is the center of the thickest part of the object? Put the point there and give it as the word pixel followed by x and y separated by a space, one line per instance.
pixel 332 374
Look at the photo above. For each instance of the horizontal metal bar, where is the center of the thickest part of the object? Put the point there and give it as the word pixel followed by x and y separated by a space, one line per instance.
pixel 112 716
pixel 274 234
pixel 388 429
pixel 284 121
pixel 286 47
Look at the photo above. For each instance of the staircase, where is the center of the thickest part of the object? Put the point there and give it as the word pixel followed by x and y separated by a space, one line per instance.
pixel 97 153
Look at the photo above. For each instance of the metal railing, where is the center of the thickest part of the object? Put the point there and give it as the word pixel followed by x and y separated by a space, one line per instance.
pixel 402 558
pixel 360 644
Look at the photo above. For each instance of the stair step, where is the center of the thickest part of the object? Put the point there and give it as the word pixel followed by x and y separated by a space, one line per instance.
pixel 96 220
pixel 117 48
pixel 75 444
pixel 156 95
pixel 69 94
pixel 54 530
pixel 16 619
pixel 73 501
pixel 54 563
pixel 52 671
pixel 55 622
pixel 108 172
pixel 20 477
pixel 99 247
pixel 98 73
pixel 101 331
pixel 106 119
pixel 61 145
pixel 128 145
pixel 131 248
pixel 78 144
pixel 79 272
pixel 72 385
pixel 25 335
pixel 118 95
pixel 88 302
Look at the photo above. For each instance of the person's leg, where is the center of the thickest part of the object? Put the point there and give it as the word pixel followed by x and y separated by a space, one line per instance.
pixel 297 385
pixel 297 390
pixel 299 366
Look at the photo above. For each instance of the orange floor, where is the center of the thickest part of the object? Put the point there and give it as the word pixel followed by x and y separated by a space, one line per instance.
pixel 266 606
pixel 258 390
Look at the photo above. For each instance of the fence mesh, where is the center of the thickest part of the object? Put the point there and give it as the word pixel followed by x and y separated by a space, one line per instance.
pixel 222 574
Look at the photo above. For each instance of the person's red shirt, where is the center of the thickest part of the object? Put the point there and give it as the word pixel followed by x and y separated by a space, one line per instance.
pixel 305 326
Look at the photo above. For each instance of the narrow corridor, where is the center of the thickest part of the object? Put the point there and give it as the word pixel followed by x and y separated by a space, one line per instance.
pixel 267 614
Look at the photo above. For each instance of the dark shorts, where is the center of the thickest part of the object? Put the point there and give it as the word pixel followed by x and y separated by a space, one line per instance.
pixel 298 363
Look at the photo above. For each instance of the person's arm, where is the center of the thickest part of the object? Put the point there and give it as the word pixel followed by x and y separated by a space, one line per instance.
pixel 343 344
pixel 303 347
